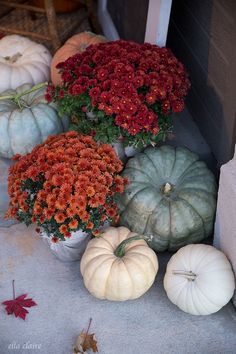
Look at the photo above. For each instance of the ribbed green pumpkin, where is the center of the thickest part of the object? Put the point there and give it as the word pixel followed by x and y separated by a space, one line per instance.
pixel 171 195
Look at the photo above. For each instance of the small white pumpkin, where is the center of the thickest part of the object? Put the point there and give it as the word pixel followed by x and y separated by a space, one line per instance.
pixel 22 61
pixel 199 279
pixel 27 121
pixel 118 273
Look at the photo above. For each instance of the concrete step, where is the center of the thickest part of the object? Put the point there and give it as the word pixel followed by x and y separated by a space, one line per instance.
pixel 186 133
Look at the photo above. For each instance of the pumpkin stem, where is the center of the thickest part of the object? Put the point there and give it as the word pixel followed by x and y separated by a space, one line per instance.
pixel 120 250
pixel 167 188
pixel 16 97
pixel 13 59
pixel 189 275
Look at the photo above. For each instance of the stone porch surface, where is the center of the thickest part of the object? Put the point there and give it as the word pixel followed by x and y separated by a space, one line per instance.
pixel 151 324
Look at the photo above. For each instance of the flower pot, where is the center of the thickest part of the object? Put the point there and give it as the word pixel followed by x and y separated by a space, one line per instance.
pixel 71 249
pixel 131 151
pixel 124 152
pixel 119 149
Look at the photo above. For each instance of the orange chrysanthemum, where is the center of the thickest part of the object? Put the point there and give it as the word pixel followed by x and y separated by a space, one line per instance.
pixel 81 203
pixel 71 212
pixel 42 195
pixel 66 188
pixel 93 203
pixel 69 176
pixel 96 232
pixel 61 204
pixel 67 234
pixel 60 217
pixel 119 188
pixel 33 219
pixel 111 212
pixel 90 191
pixel 118 180
pixel 48 214
pixel 73 224
pixel 24 207
pixel 57 180
pixel 84 215
pixel 47 186
pixel 90 225
pixel 42 219
pixel 51 199
pixel 63 229
pixel 37 210
pixel 103 217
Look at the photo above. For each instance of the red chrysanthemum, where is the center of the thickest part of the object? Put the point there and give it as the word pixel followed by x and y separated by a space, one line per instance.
pixel 121 80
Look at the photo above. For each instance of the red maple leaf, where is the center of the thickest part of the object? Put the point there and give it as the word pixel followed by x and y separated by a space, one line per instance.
pixel 17 305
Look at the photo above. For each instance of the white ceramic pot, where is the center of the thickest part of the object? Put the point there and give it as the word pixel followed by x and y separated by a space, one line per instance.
pixel 119 149
pixel 71 249
pixel 124 152
pixel 91 116
pixel 131 151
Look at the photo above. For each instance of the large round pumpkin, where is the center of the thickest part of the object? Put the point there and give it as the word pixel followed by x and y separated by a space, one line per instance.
pixel 171 195
pixel 118 274
pixel 199 279
pixel 22 61
pixel 76 44
pixel 27 123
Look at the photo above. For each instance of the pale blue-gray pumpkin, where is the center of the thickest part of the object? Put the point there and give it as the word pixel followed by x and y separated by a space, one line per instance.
pixel 28 121
pixel 171 195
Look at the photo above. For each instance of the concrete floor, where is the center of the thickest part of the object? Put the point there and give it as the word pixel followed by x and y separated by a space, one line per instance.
pixel 150 324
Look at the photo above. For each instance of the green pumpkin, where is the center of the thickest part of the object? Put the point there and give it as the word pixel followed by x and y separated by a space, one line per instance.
pixel 171 196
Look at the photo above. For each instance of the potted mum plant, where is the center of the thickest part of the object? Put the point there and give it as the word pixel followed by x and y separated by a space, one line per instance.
pixel 122 90
pixel 66 186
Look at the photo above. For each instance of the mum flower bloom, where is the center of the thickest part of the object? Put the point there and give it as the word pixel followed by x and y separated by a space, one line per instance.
pixel 73 224
pixel 121 83
pixel 60 217
pixel 64 191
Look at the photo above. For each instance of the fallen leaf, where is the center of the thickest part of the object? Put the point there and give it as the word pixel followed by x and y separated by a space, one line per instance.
pixel 17 305
pixel 85 342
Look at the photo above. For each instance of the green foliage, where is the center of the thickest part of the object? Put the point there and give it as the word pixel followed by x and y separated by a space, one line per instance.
pixel 103 128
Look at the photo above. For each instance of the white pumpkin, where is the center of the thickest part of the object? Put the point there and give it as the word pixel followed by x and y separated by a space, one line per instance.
pixel 118 274
pixel 22 61
pixel 199 279
pixel 29 122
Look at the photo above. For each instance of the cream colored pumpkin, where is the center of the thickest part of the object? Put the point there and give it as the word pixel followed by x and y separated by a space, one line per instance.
pixel 27 123
pixel 118 278
pixel 22 61
pixel 199 279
